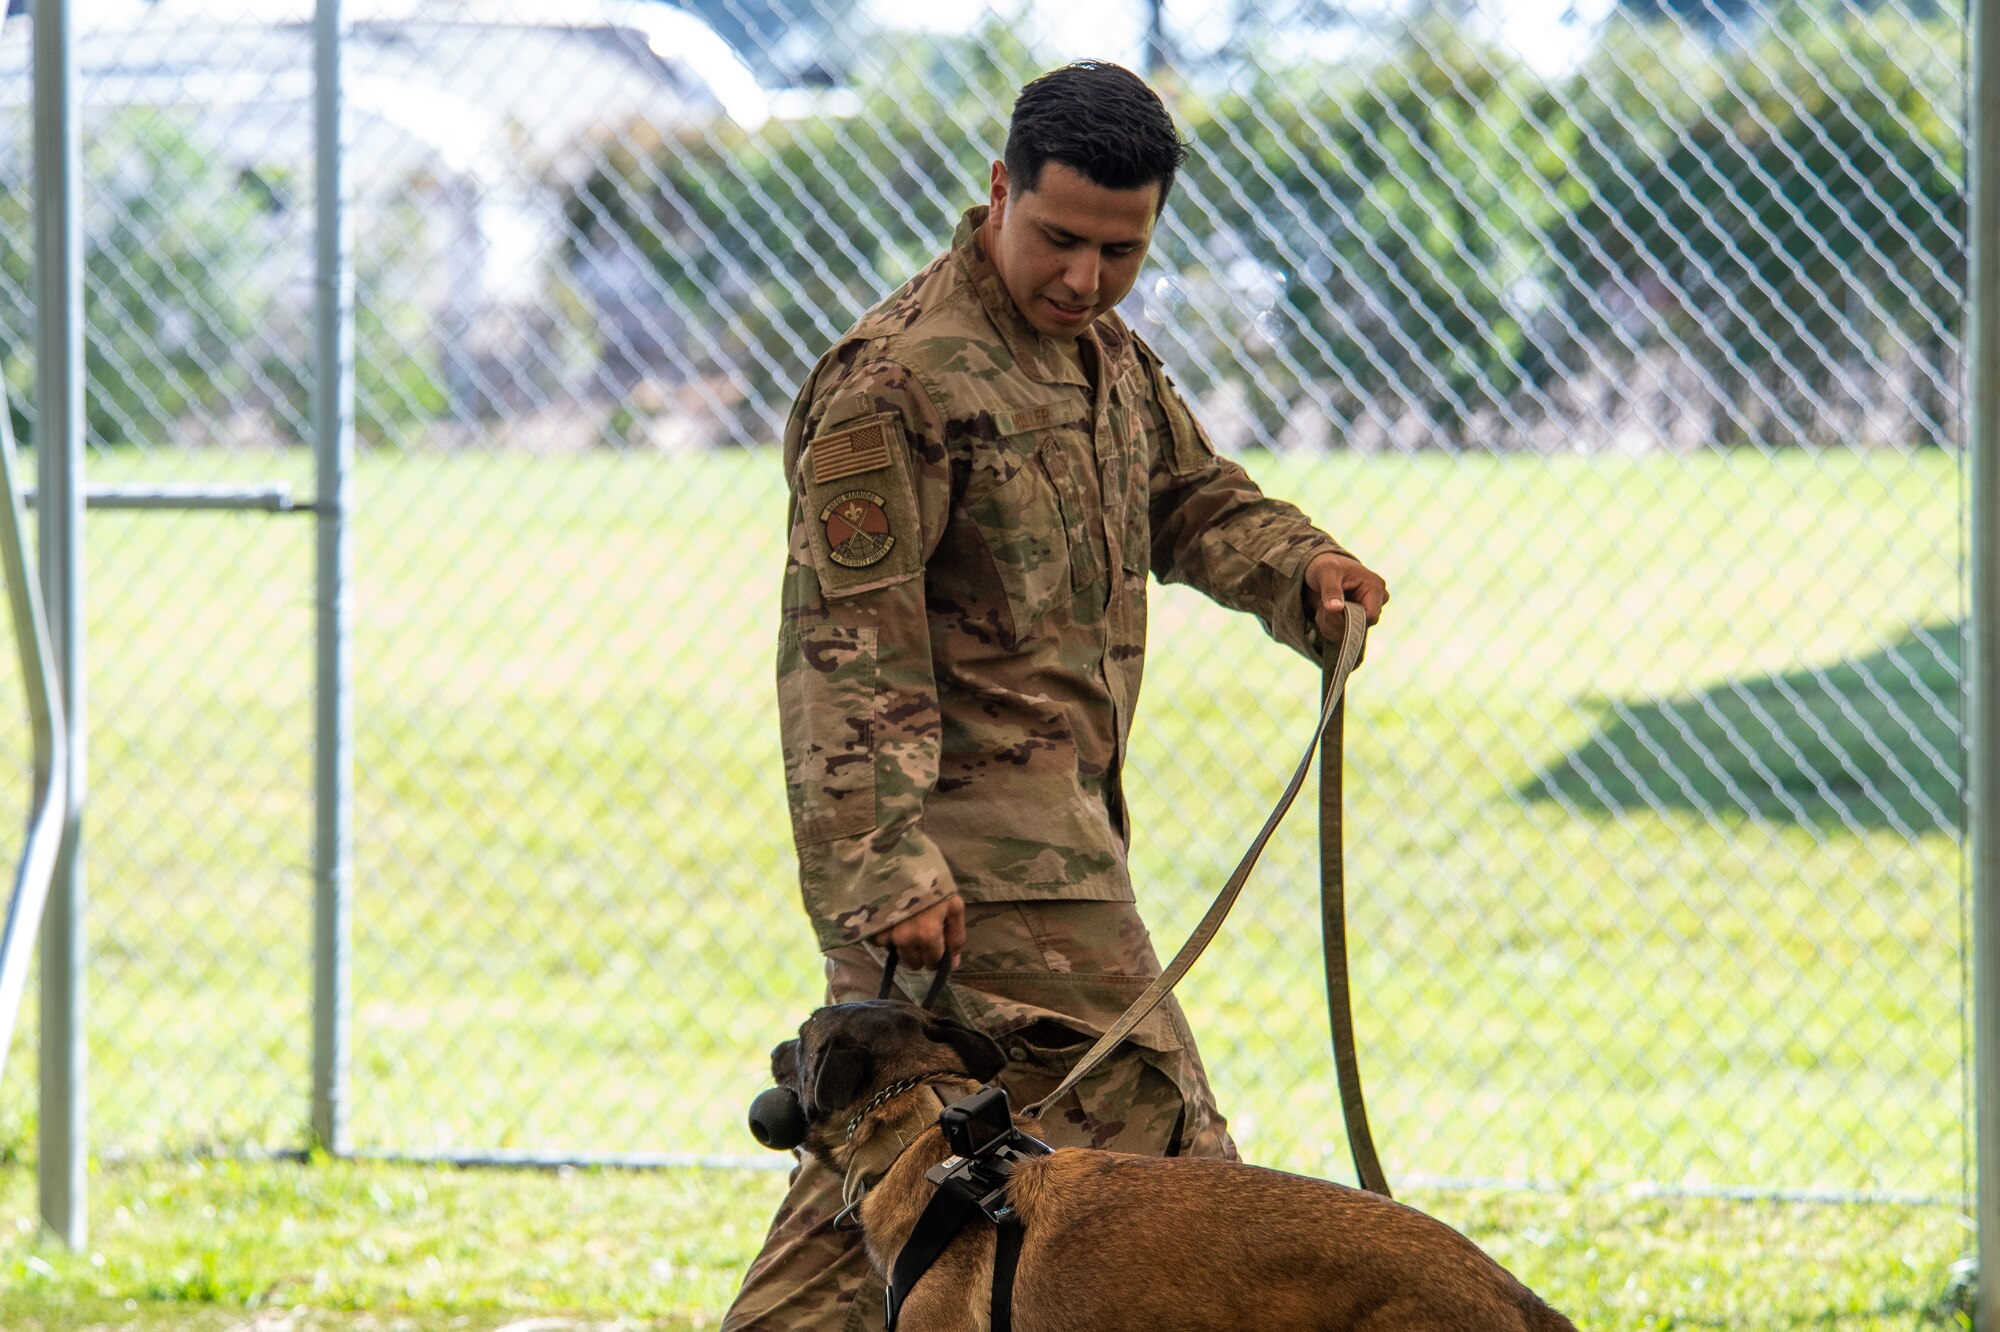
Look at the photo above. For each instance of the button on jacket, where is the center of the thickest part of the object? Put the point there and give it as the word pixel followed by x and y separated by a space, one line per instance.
pixel 974 513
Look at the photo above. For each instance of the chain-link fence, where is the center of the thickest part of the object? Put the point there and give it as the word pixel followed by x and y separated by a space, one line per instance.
pixel 1622 339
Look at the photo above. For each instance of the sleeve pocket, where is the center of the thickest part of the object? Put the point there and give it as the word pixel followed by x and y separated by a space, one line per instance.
pixel 1182 443
pixel 826 697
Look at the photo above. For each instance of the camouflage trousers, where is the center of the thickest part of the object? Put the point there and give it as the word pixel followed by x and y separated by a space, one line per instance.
pixel 1044 979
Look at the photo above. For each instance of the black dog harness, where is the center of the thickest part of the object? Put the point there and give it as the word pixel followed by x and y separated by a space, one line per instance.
pixel 972 1182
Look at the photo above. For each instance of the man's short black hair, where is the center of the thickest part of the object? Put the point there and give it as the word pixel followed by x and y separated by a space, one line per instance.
pixel 1096 118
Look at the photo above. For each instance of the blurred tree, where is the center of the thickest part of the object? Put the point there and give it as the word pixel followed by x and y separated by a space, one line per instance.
pixel 757 249
pixel 1708 16
pixel 399 348
pixel 1435 235
pixel 1402 200
pixel 1784 213
pixel 171 290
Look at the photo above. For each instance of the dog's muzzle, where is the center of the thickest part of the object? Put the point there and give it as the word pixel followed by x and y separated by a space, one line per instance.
pixel 777 1120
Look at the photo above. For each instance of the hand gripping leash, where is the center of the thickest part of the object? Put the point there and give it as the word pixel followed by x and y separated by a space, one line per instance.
pixel 1333 924
pixel 938 981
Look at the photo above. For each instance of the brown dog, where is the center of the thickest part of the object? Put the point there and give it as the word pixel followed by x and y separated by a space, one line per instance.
pixel 1113 1241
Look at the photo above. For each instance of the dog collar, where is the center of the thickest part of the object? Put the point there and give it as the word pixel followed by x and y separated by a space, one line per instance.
pixel 872 1160
pixel 892 1091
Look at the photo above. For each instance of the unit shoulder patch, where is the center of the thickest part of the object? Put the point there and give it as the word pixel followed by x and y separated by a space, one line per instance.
pixel 857 529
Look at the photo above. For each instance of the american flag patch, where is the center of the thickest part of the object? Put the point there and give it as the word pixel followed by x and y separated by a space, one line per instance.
pixel 861 448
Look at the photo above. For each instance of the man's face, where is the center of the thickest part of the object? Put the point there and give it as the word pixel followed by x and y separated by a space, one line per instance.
pixel 1069 249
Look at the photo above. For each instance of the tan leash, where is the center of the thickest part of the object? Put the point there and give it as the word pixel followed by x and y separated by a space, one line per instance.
pixel 1333 929
pixel 1332 914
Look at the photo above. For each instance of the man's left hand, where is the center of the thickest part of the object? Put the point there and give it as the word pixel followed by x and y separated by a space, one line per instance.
pixel 1331 581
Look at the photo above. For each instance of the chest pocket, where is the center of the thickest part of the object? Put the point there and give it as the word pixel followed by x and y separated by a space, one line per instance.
pixel 1127 475
pixel 1034 520
pixel 1065 460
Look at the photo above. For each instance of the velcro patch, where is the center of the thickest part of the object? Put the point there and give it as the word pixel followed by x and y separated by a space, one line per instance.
pixel 1021 420
pixel 857 529
pixel 1187 448
pixel 862 447
pixel 864 530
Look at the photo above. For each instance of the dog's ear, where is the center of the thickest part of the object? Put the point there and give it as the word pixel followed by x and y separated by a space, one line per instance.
pixel 785 1063
pixel 840 1071
pixel 981 1054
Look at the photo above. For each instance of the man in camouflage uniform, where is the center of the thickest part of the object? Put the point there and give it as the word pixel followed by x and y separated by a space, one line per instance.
pixel 983 472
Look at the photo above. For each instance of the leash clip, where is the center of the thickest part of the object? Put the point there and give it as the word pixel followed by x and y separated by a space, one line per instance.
pixel 983 1179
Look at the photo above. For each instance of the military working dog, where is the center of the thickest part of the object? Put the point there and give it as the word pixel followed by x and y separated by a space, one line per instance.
pixel 1115 1242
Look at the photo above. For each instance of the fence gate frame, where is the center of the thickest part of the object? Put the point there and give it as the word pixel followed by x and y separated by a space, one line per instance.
pixel 60 499
pixel 58 286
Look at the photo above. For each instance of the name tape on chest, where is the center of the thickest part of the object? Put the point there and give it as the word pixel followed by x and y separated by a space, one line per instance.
pixel 1021 420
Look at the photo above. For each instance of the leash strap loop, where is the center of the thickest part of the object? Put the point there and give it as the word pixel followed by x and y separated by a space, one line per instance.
pixel 1349 656
pixel 931 995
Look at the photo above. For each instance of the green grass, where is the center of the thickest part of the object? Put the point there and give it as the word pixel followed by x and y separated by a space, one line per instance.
pixel 1653 866
pixel 215 1244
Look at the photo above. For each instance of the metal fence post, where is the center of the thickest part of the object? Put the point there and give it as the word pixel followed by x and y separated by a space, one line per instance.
pixel 333 444
pixel 1982 376
pixel 59 465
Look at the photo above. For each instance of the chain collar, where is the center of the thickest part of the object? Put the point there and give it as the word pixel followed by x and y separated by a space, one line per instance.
pixel 866 1164
pixel 892 1091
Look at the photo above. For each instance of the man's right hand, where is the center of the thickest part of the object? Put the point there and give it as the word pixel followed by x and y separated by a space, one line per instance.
pixel 921 940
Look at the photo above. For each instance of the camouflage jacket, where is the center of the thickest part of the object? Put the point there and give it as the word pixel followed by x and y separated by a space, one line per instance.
pixel 964 605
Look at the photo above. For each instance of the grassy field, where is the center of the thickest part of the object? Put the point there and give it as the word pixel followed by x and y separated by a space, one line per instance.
pixel 1655 875
pixel 218 1245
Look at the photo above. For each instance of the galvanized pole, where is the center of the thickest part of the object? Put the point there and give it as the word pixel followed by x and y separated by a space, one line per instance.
pixel 1982 382
pixel 333 447
pixel 59 470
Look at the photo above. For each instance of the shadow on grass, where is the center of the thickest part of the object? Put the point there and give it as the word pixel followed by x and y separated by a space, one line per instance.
pixel 1869 743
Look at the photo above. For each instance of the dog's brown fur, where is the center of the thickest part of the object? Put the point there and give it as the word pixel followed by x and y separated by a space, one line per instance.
pixel 1116 1242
